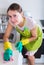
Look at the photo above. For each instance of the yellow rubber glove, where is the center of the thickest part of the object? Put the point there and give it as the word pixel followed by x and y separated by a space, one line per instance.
pixel 7 45
pixel 25 41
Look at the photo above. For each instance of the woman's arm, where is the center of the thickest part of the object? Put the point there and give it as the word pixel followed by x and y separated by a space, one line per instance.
pixel 7 32
pixel 34 34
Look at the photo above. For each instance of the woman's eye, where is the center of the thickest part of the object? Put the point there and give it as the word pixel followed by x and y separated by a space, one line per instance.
pixel 14 15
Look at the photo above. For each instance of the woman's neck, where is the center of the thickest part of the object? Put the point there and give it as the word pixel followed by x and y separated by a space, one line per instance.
pixel 22 23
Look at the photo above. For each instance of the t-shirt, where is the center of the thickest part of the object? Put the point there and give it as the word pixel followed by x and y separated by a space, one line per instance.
pixel 29 23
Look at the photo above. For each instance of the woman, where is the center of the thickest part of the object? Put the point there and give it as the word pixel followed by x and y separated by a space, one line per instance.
pixel 31 33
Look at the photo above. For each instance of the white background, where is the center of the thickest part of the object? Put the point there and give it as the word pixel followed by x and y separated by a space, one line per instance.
pixel 36 7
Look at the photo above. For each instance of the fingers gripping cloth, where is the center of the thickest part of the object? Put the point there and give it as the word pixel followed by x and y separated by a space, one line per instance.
pixel 8 51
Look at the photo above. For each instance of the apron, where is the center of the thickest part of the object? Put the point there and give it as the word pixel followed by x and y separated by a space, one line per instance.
pixel 34 45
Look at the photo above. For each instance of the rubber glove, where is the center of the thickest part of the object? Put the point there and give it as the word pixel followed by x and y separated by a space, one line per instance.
pixel 7 54
pixel 25 41
pixel 7 45
pixel 19 46
pixel 7 51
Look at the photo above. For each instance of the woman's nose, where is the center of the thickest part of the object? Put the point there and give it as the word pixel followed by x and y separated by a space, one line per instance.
pixel 12 19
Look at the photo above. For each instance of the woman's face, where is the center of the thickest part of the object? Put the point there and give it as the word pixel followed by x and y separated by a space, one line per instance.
pixel 14 17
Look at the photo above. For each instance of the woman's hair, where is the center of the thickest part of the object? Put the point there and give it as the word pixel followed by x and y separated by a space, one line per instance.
pixel 15 6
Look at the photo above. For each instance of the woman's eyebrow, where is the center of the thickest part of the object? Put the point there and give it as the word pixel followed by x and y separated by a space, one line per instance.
pixel 9 15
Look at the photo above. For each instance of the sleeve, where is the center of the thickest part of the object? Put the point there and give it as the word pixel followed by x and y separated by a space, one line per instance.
pixel 31 23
